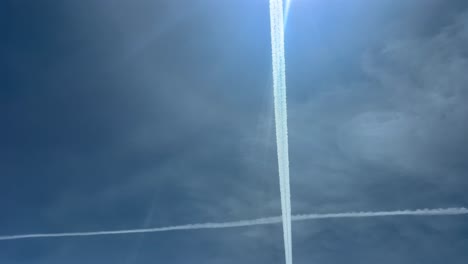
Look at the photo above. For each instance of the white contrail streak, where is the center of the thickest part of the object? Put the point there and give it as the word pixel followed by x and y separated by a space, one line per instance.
pixel 287 6
pixel 253 222
pixel 417 212
pixel 279 89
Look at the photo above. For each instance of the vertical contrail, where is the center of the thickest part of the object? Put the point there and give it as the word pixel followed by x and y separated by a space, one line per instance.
pixel 279 88
pixel 287 6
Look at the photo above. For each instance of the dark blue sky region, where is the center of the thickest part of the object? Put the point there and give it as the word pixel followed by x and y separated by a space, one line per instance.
pixel 129 114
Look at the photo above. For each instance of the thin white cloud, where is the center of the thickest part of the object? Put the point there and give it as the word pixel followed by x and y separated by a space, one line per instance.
pixel 245 223
pixel 279 87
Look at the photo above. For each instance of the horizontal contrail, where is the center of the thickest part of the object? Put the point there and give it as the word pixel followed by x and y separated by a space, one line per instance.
pixel 253 222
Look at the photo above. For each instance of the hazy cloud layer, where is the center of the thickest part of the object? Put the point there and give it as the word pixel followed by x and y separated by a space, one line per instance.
pixel 120 115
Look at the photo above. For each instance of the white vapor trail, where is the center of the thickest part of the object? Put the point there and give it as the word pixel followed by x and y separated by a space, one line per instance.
pixel 253 222
pixel 279 90
pixel 287 6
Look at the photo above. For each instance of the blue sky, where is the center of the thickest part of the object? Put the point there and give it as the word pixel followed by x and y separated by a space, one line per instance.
pixel 128 114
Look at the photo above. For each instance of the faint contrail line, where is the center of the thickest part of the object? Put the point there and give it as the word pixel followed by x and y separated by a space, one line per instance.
pixel 279 91
pixel 253 222
pixel 287 6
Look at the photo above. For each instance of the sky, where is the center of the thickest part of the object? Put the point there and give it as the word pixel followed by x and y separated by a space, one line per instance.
pixel 128 114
